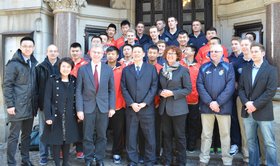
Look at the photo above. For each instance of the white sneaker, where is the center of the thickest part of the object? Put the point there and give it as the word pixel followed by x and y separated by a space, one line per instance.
pixel 116 159
pixel 233 150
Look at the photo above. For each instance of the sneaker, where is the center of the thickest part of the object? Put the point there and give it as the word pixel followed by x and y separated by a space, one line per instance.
pixel 212 151
pixel 141 160
pixel 79 155
pixel 43 161
pixel 219 150
pixel 60 155
pixel 116 159
pixel 233 150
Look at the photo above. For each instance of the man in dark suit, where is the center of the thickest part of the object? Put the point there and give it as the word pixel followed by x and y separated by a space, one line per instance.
pixel 95 101
pixel 139 85
pixel 257 86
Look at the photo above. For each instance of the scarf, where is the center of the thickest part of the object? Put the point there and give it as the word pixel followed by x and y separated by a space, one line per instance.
pixel 167 70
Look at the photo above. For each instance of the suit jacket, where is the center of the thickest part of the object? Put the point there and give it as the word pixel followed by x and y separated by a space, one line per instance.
pixel 181 86
pixel 87 99
pixel 142 88
pixel 261 92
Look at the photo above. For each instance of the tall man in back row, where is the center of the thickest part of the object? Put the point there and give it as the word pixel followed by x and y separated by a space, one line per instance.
pixel 139 86
pixel 20 99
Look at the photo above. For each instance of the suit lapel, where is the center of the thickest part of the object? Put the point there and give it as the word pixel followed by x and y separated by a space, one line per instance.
pixel 102 70
pixel 90 73
pixel 132 70
pixel 143 68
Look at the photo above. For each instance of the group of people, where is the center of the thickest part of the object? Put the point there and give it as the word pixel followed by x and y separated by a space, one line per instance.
pixel 151 90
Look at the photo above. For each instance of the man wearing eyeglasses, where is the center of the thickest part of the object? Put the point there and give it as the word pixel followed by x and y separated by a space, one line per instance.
pixel 21 99
pixel 215 85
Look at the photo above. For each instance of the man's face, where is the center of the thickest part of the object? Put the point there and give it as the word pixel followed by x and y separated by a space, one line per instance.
pixel 249 36
pixel 111 32
pixel 75 52
pixel 216 53
pixel 161 47
pixel 210 35
pixel 245 47
pixel 172 23
pixel 27 47
pixel 112 56
pixel 183 39
pixel 124 29
pixel 138 54
pixel 154 33
pixel 257 54
pixel 160 25
pixel 187 52
pixel 140 28
pixel 52 52
pixel 96 54
pixel 152 54
pixel 214 42
pixel 104 39
pixel 235 46
pixel 127 51
pixel 196 26
pixel 95 42
pixel 130 37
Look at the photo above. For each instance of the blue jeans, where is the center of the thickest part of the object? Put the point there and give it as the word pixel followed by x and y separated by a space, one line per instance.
pixel 267 131
pixel 43 148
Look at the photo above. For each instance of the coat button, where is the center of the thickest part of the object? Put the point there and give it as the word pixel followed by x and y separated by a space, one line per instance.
pixel 57 94
pixel 57 88
pixel 56 101
pixel 57 81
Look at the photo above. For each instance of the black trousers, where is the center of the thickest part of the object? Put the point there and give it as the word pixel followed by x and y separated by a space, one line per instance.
pixel 193 125
pixel 117 124
pixel 176 125
pixel 79 145
pixel 95 122
pixel 25 126
pixel 65 151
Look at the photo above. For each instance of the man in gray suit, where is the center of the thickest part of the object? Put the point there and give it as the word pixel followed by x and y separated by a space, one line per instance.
pixel 95 102
pixel 139 85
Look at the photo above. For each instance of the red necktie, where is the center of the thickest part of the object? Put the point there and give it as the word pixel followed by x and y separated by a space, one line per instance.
pixel 95 75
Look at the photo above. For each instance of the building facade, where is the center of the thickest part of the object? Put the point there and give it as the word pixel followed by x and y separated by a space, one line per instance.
pixel 65 21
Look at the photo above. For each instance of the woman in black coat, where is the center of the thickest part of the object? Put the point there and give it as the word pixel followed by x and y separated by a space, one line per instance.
pixel 61 127
pixel 174 86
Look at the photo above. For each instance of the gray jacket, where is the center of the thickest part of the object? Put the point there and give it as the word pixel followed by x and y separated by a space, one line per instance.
pixel 20 87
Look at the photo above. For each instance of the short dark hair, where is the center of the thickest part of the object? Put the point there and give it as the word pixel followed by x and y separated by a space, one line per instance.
pixel 196 21
pixel 251 33
pixel 103 33
pixel 140 22
pixel 112 48
pixel 125 22
pixel 67 60
pixel 139 46
pixel 211 29
pixel 126 44
pixel 153 47
pixel 237 38
pixel 182 32
pixel 95 36
pixel 75 45
pixel 216 38
pixel 27 38
pixel 162 20
pixel 193 48
pixel 112 26
pixel 174 48
pixel 256 44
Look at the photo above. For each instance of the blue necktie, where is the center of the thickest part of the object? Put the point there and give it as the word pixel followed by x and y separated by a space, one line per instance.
pixel 137 70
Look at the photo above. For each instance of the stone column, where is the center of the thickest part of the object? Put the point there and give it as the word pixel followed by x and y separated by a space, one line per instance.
pixel 272 34
pixel 65 12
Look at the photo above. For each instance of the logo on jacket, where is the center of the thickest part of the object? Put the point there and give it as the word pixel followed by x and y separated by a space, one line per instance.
pixel 208 72
pixel 166 39
pixel 239 70
pixel 221 72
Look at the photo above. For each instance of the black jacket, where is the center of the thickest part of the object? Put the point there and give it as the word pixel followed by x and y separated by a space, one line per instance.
pixel 58 98
pixel 20 87
pixel 43 72
pixel 261 92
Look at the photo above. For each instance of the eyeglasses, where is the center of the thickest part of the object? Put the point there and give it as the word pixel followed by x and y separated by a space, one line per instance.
pixel 216 51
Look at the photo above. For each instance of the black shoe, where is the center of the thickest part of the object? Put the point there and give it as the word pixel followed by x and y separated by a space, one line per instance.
pixel 28 163
pixel 100 163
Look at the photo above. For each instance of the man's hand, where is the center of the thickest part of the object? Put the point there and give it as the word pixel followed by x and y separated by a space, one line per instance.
pixel 11 111
pixel 215 106
pixel 80 115
pixel 111 113
pixel 250 107
pixel 142 105
pixel 166 93
pixel 135 107
pixel 49 122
